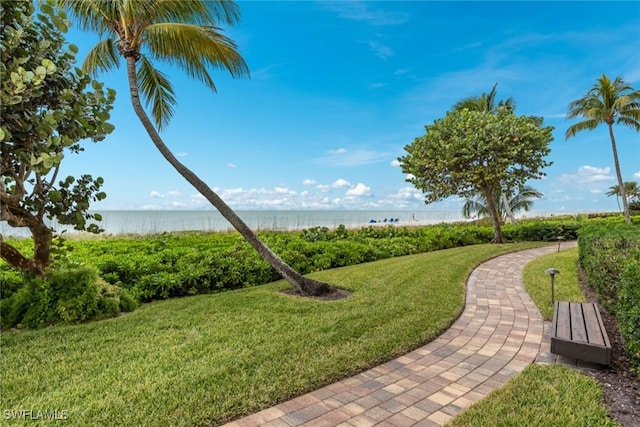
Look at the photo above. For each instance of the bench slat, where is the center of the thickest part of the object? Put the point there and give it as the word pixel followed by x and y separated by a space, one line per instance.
pixel 563 327
pixel 578 330
pixel 594 331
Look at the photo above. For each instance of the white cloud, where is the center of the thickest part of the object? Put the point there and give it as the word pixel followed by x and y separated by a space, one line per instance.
pixel 232 165
pixel 183 154
pixel 636 175
pixel 408 193
pixel 395 163
pixel 376 85
pixel 587 174
pixel 341 183
pixel 158 195
pixel 365 12
pixel 338 151
pixel 344 157
pixel 380 50
pixel 359 190
pixel 308 181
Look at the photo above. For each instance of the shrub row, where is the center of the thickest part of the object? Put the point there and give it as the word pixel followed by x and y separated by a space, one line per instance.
pixel 610 256
pixel 170 265
pixel 67 295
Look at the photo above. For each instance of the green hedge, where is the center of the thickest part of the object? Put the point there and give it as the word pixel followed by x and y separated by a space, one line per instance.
pixel 71 295
pixel 610 256
pixel 152 267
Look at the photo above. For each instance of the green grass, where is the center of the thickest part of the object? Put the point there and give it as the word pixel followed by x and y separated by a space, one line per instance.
pixel 211 358
pixel 567 284
pixel 552 395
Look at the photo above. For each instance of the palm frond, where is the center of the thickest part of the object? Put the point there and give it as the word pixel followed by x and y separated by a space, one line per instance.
pixel 197 12
pixel 580 126
pixel 90 15
pixel 102 57
pixel 194 49
pixel 157 91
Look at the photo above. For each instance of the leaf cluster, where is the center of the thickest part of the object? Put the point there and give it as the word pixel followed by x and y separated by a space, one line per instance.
pixel 48 108
pixel 470 152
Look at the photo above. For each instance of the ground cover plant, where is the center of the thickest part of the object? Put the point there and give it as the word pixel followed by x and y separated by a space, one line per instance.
pixel 207 359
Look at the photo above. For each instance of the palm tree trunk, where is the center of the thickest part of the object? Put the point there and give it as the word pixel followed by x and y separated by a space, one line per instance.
pixel 507 207
pixel 303 284
pixel 623 193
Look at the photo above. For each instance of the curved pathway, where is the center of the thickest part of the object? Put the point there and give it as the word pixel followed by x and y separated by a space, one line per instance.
pixel 498 334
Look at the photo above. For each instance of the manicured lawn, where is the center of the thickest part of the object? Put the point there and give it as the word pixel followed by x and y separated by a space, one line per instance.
pixel 541 396
pixel 567 284
pixel 208 359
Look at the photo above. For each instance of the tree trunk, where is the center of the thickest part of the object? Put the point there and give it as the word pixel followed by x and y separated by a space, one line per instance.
pixel 41 248
pixel 507 207
pixel 495 217
pixel 623 193
pixel 303 284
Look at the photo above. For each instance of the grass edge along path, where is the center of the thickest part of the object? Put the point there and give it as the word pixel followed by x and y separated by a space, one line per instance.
pixel 544 395
pixel 208 359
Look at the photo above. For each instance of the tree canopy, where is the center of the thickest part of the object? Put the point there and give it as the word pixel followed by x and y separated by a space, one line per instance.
pixel 48 108
pixel 468 153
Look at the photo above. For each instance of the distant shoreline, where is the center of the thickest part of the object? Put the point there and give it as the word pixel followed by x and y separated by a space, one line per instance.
pixel 141 222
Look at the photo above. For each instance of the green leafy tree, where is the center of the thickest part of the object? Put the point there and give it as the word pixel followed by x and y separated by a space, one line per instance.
pixel 487 102
pixel 475 152
pixel 608 102
pixel 48 107
pixel 521 201
pixel 185 34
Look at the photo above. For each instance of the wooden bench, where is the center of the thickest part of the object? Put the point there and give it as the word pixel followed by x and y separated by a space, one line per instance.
pixel 577 332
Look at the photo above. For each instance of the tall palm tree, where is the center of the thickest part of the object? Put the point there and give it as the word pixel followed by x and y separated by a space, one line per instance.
pixel 487 103
pixel 522 201
pixel 614 190
pixel 608 102
pixel 181 33
pixel 631 191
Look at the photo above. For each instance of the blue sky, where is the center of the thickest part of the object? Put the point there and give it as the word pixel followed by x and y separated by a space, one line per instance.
pixel 337 89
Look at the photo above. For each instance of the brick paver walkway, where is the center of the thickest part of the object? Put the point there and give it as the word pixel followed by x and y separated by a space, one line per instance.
pixel 498 334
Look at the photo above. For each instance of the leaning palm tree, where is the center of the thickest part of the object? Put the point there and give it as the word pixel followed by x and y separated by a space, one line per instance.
pixel 522 201
pixel 608 102
pixel 181 33
pixel 487 103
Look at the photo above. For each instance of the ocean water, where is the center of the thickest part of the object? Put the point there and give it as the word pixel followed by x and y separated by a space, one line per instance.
pixel 144 222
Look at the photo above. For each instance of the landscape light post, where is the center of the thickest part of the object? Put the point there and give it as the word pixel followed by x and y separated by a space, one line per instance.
pixel 560 239
pixel 552 272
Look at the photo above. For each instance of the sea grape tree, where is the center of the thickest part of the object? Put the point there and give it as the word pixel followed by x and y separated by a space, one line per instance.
pixel 48 109
pixel 477 152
